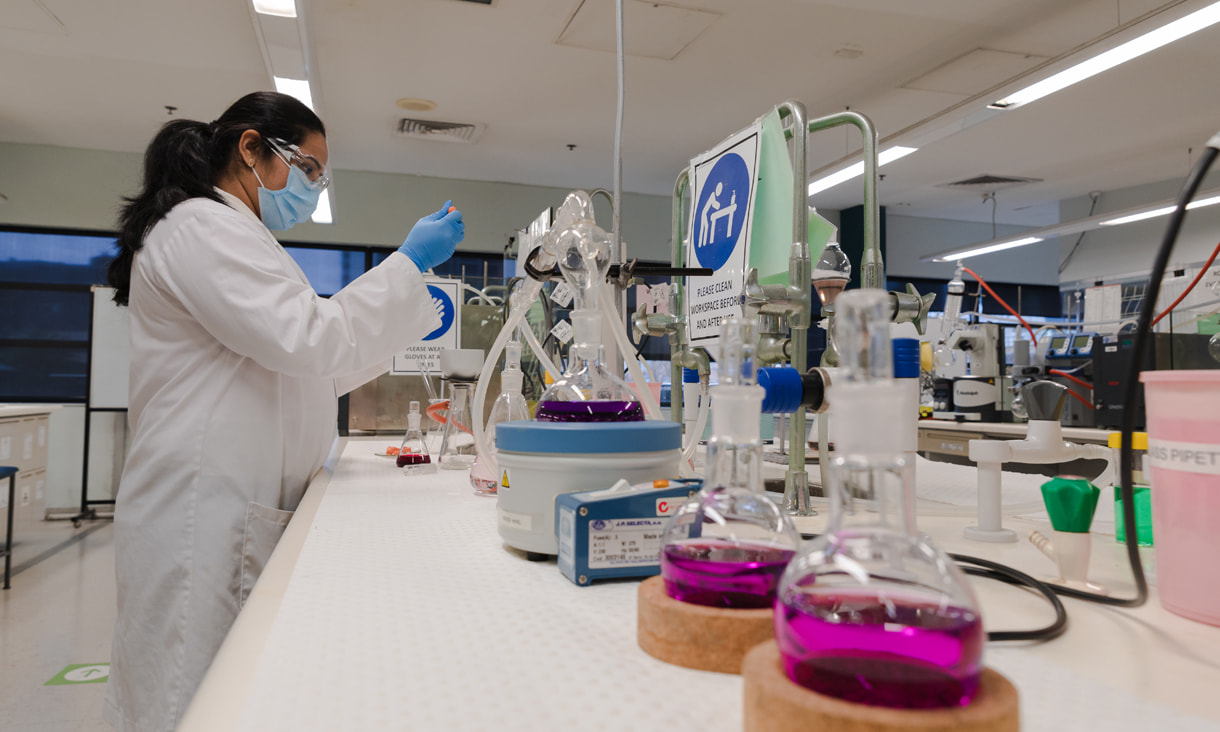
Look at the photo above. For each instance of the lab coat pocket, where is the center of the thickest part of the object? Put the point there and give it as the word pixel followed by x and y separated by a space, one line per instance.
pixel 264 527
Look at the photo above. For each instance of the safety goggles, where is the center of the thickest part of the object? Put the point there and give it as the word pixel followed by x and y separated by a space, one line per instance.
pixel 317 173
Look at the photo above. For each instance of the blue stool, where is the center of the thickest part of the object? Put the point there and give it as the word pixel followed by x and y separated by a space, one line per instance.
pixel 9 472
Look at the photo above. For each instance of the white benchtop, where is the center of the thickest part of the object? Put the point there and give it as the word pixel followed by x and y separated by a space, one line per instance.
pixel 1014 429
pixel 391 603
pixel 26 410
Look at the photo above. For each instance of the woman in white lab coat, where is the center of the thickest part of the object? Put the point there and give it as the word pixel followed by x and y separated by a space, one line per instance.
pixel 236 369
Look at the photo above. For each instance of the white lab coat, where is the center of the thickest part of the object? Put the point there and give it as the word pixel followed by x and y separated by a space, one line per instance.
pixel 236 367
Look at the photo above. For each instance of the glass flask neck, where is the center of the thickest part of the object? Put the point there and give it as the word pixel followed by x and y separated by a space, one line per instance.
pixel 881 480
pixel 733 463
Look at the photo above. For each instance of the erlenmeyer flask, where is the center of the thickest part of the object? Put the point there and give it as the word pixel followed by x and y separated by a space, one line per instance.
pixel 729 543
pixel 413 455
pixel 872 612
pixel 457 444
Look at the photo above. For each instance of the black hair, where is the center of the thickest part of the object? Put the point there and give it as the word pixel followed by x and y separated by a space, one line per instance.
pixel 185 160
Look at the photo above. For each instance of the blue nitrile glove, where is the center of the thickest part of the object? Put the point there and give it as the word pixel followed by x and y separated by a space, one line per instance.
pixel 434 237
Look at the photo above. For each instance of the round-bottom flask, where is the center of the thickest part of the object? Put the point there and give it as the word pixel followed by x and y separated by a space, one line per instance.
pixel 880 618
pixel 872 612
pixel 727 547
pixel 728 544
pixel 589 393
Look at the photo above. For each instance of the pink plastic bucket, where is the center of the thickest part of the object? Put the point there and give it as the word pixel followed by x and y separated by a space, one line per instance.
pixel 1183 409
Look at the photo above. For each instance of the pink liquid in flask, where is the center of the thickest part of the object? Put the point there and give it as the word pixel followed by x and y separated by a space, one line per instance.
pixel 882 651
pixel 723 573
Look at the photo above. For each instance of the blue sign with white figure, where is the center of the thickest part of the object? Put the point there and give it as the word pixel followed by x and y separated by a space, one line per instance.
pixel 720 214
pixel 444 308
pixel 722 208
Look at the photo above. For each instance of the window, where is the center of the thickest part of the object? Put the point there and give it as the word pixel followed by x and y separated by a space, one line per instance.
pixel 46 277
pixel 45 280
pixel 328 268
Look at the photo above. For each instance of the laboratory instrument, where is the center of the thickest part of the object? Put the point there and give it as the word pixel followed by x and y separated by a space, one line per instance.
pixel 616 532
pixel 413 455
pixel 872 612
pixel 538 461
pixel 1043 444
pixel 1071 503
pixel 510 406
pixel 587 391
pixel 728 544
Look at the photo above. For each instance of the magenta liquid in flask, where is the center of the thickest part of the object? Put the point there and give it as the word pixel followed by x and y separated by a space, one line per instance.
pixel 721 573
pixel 871 612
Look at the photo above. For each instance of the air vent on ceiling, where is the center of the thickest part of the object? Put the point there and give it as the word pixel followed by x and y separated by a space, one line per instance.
pixel 987 182
pixel 439 131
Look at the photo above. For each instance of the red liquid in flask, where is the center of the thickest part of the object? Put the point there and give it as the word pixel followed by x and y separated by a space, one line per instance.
pixel 411 458
pixel 723 573
pixel 879 650
pixel 607 411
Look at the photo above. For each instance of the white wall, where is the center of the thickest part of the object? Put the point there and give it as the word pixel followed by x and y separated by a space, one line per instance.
pixel 910 237
pixel 1119 251
pixel 81 189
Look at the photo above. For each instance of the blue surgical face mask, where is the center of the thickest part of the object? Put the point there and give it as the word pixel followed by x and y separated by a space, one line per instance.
pixel 295 202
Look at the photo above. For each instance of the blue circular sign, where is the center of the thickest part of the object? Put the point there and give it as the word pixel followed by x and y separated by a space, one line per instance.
pixel 720 215
pixel 445 308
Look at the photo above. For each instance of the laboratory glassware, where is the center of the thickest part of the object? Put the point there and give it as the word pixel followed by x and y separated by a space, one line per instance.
pixel 872 612
pixel 727 545
pixel 457 442
pixel 510 406
pixel 587 391
pixel 831 274
pixel 413 455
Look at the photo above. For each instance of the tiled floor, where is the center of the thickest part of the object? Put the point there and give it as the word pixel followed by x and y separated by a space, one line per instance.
pixel 59 612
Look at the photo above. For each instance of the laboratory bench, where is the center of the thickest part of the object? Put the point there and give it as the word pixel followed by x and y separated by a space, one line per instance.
pixel 392 603
pixel 948 441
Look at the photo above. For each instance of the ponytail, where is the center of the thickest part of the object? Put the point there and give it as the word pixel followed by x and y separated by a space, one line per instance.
pixel 176 168
pixel 187 158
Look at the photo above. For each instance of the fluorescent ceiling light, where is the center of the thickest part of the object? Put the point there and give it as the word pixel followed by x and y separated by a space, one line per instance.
pixel 321 214
pixel 1150 41
pixel 1200 203
pixel 1139 216
pixel 1162 211
pixel 988 249
pixel 1127 215
pixel 280 8
pixel 851 171
pixel 298 88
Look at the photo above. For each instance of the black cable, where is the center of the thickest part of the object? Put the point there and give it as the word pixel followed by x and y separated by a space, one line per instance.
pixel 1003 573
pixel 642 344
pixel 1071 253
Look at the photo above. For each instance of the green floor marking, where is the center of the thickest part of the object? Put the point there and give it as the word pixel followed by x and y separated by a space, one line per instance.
pixel 81 673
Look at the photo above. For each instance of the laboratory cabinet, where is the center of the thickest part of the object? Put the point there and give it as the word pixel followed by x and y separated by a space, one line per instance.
pixel 23 445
